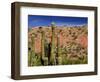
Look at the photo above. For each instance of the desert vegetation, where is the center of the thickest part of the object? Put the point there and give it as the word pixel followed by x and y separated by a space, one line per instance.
pixel 57 45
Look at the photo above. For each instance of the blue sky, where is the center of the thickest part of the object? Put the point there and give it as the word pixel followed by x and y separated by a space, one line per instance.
pixel 41 20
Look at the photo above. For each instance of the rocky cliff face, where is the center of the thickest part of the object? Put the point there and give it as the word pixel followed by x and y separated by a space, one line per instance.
pixel 73 41
pixel 67 35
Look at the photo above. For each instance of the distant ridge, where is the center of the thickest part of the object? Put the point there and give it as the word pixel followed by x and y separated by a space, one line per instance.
pixel 66 26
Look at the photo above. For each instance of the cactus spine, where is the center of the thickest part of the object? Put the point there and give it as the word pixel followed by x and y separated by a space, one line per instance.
pixel 52 55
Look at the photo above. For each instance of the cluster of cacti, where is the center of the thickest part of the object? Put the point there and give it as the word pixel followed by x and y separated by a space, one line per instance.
pixel 50 59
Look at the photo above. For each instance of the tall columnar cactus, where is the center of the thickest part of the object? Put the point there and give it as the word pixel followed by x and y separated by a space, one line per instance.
pixel 52 55
pixel 59 57
pixel 43 57
pixel 42 43
pixel 32 55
